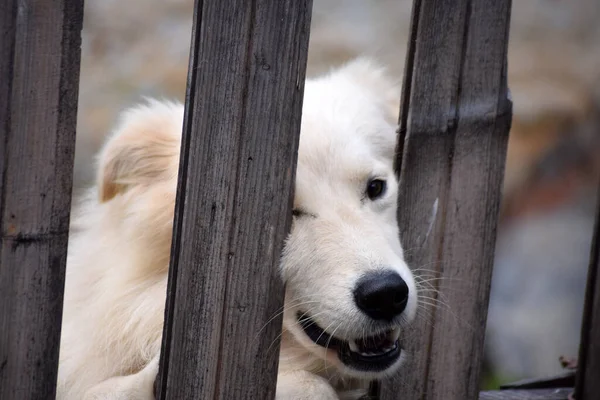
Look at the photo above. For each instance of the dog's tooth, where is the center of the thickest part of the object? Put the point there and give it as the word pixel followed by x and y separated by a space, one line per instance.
pixel 353 346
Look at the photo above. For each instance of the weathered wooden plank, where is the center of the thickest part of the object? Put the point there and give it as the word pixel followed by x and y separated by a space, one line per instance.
pixel 233 210
pixel 454 129
pixel 588 374
pixel 531 394
pixel 39 80
pixel 565 379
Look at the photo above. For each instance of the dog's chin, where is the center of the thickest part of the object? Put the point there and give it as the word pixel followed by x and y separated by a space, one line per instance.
pixel 368 357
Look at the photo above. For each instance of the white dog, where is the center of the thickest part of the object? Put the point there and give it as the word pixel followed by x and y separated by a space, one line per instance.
pixel 349 292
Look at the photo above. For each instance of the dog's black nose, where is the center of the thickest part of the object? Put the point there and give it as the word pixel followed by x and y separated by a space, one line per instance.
pixel 381 295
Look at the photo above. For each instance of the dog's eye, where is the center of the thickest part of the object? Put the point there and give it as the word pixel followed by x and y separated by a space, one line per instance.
pixel 298 212
pixel 376 188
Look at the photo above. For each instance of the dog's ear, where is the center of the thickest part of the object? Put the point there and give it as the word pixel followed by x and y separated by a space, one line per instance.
pixel 375 79
pixel 143 149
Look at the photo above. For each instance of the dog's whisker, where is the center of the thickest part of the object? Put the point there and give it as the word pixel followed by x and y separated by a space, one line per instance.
pixel 422 268
pixel 293 303
pixel 425 282
pixel 325 332
pixel 433 302
pixel 286 308
pixel 427 264
pixel 274 341
pixel 429 287
pixel 277 315
pixel 409 250
pixel 424 293
pixel 434 299
pixel 427 292
pixel 426 314
pixel 328 342
pixel 428 278
pixel 430 306
pixel 284 330
pixel 436 304
pixel 440 295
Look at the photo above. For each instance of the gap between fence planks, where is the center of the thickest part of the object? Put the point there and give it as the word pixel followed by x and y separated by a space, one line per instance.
pixel 455 119
pixel 233 210
pixel 39 81
pixel 587 386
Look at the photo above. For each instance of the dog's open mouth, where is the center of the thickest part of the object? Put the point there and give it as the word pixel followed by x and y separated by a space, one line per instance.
pixel 374 353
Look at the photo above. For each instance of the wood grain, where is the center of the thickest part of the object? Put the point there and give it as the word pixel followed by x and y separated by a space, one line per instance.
pixel 588 373
pixel 233 210
pixel 531 394
pixel 455 119
pixel 39 80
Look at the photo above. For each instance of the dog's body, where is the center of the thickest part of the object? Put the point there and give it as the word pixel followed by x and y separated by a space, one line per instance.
pixel 342 263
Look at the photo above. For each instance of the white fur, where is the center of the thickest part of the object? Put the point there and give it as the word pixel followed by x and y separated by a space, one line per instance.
pixel 119 248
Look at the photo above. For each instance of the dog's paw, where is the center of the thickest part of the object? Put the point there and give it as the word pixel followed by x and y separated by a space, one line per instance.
pixel 302 385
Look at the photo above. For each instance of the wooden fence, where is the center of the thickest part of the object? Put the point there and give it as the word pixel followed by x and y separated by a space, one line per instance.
pixel 39 76
pixel 242 119
pixel 454 127
pixel 241 132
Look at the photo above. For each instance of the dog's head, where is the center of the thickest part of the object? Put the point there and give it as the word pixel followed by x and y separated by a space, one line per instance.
pixel 348 290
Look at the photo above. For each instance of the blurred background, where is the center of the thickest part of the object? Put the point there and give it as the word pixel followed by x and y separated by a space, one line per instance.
pixel 140 48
